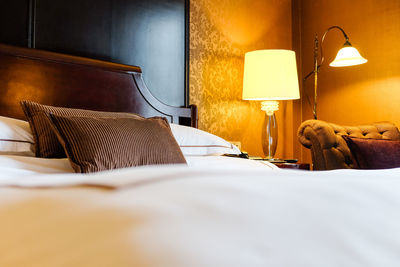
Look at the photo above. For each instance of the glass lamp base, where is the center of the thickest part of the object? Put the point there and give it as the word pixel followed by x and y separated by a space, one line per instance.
pixel 270 136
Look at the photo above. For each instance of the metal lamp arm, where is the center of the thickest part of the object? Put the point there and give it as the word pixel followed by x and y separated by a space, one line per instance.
pixel 317 65
pixel 323 39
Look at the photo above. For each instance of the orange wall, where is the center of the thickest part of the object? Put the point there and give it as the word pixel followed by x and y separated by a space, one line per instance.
pixel 222 31
pixel 358 94
pixel 220 34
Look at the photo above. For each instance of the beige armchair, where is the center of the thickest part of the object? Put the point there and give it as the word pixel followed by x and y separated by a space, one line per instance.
pixel 329 150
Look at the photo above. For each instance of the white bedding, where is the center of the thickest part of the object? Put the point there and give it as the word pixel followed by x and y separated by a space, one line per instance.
pixel 19 165
pixel 218 212
pixel 31 165
pixel 29 171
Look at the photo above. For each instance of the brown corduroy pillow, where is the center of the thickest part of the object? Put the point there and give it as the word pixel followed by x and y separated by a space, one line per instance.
pixel 98 144
pixel 46 142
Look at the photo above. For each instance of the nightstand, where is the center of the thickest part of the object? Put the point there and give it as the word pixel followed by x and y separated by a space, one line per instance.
pixel 298 166
pixel 292 164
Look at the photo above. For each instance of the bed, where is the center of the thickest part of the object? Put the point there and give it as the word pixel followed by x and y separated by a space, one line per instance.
pixel 214 211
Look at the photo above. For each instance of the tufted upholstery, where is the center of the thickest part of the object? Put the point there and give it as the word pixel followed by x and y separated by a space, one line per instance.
pixel 329 150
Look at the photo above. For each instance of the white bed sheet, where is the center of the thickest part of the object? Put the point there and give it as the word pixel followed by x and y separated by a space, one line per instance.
pixel 204 216
pixel 35 172
pixel 22 165
pixel 227 162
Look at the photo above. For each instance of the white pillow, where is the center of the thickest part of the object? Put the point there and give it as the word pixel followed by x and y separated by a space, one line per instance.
pixel 15 137
pixel 195 142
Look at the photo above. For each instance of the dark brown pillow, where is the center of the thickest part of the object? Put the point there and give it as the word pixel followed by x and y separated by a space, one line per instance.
pixel 98 144
pixel 374 153
pixel 46 143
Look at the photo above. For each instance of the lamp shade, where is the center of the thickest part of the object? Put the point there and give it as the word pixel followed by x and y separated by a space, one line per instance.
pixel 270 75
pixel 347 56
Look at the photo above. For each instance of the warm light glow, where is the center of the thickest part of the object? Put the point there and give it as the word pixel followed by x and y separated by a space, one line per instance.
pixel 270 75
pixel 348 56
pixel 236 19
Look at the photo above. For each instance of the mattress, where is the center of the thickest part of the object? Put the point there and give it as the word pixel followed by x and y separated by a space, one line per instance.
pixel 215 212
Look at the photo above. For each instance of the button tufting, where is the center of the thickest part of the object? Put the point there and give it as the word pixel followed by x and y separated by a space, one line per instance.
pixel 348 161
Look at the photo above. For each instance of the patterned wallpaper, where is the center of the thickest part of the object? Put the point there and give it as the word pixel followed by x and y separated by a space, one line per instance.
pixel 220 34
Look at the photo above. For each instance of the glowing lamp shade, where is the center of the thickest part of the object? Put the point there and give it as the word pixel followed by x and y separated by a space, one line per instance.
pixel 347 56
pixel 270 75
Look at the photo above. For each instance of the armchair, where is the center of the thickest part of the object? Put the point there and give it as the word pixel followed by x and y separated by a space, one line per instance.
pixel 329 150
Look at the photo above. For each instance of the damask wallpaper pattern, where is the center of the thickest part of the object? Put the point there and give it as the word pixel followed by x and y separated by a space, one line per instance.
pixel 220 34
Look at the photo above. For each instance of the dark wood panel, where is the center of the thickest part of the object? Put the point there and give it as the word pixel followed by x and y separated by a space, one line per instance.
pixel 14 18
pixel 77 27
pixel 298 166
pixel 151 34
pixel 145 33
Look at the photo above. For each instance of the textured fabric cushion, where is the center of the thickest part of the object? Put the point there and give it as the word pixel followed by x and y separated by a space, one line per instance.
pixel 46 143
pixel 15 137
pixel 195 142
pixel 374 153
pixel 97 144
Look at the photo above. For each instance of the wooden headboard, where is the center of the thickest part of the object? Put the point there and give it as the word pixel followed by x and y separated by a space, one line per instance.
pixel 76 82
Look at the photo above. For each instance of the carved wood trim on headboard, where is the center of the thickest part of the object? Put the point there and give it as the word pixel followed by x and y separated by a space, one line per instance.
pixel 77 82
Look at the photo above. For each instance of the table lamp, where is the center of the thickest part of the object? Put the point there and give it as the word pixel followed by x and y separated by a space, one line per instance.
pixel 346 56
pixel 270 75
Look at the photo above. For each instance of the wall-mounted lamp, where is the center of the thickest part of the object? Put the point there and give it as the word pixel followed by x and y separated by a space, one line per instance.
pixel 270 75
pixel 346 56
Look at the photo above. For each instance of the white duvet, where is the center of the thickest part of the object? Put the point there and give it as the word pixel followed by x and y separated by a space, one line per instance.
pixel 216 212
